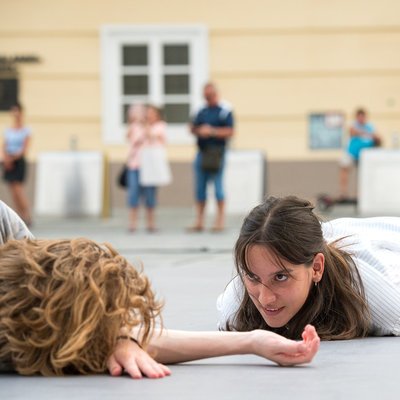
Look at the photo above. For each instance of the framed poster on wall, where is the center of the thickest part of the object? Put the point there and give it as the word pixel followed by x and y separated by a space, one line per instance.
pixel 326 130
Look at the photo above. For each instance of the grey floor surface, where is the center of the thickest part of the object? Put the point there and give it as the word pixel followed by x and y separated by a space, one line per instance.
pixel 189 271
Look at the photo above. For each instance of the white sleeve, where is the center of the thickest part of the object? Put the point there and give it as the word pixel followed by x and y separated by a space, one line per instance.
pixel 229 301
pixel 383 299
pixel 11 225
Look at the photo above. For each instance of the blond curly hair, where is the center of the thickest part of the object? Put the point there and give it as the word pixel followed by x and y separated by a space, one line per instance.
pixel 63 304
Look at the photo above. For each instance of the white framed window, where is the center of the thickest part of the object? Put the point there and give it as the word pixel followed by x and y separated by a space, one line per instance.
pixel 165 65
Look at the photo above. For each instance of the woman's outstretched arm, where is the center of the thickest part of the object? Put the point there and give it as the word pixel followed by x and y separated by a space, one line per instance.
pixel 179 346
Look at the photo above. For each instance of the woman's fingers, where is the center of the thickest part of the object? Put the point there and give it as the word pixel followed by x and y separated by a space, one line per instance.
pixel 287 346
pixel 291 353
pixel 113 366
pixel 312 339
pixel 299 358
pixel 166 370
pixel 315 341
pixel 152 369
pixel 309 334
pixel 310 331
pixel 163 370
pixel 135 361
pixel 133 370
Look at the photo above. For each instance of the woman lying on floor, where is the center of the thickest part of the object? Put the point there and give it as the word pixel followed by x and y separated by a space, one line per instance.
pixel 73 306
pixel 342 276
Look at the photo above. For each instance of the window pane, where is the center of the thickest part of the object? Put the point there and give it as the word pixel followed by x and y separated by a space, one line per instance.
pixel 135 84
pixel 8 93
pixel 176 84
pixel 176 54
pixel 177 113
pixel 134 55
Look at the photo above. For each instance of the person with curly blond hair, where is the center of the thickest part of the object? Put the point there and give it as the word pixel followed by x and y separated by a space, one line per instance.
pixel 64 302
pixel 74 306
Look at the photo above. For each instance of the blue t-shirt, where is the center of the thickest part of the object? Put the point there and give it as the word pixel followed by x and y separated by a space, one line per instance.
pixel 15 138
pixel 357 143
pixel 218 116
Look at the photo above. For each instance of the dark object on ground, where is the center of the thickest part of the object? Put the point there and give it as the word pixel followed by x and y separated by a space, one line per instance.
pixel 123 177
pixel 325 202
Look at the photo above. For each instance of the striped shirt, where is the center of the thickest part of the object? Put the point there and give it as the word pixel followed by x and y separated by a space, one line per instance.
pixel 374 244
pixel 11 225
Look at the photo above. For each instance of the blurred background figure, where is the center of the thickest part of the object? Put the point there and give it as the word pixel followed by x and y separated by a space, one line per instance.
pixel 16 142
pixel 212 126
pixel 362 135
pixel 146 129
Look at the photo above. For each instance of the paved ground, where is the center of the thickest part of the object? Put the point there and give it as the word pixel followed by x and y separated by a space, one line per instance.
pixel 189 271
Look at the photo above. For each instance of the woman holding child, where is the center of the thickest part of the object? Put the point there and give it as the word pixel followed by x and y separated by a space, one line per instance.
pixel 146 128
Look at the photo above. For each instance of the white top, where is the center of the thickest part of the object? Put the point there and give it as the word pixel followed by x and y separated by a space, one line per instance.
pixel 138 140
pixel 15 138
pixel 375 247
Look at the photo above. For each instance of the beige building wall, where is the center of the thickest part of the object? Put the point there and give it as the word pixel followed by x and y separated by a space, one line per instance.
pixel 274 61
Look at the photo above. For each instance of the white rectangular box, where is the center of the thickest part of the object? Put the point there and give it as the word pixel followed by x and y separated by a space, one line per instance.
pixel 379 182
pixel 69 183
pixel 244 178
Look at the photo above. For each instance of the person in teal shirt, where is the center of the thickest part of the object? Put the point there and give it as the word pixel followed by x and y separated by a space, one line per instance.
pixel 362 135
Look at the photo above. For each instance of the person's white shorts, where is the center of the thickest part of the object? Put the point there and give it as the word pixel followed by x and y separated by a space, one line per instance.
pixel 347 160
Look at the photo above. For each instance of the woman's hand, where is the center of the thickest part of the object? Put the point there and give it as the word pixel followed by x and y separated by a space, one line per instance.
pixel 284 351
pixel 8 162
pixel 135 361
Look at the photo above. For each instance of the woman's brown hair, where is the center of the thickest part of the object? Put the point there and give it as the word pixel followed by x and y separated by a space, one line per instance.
pixel 64 302
pixel 291 231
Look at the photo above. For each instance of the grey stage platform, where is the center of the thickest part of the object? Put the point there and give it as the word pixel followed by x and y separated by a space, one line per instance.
pixel 189 271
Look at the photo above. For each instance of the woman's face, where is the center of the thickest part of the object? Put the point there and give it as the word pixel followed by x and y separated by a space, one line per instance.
pixel 16 113
pixel 136 113
pixel 277 295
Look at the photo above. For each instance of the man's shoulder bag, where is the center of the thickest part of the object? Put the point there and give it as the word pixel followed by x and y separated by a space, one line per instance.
pixel 211 160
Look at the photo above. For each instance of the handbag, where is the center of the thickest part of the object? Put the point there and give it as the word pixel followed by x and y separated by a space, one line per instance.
pixel 211 159
pixel 123 177
pixel 154 167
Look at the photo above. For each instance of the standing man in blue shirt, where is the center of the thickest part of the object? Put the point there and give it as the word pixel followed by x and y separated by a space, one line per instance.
pixel 212 126
pixel 362 135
